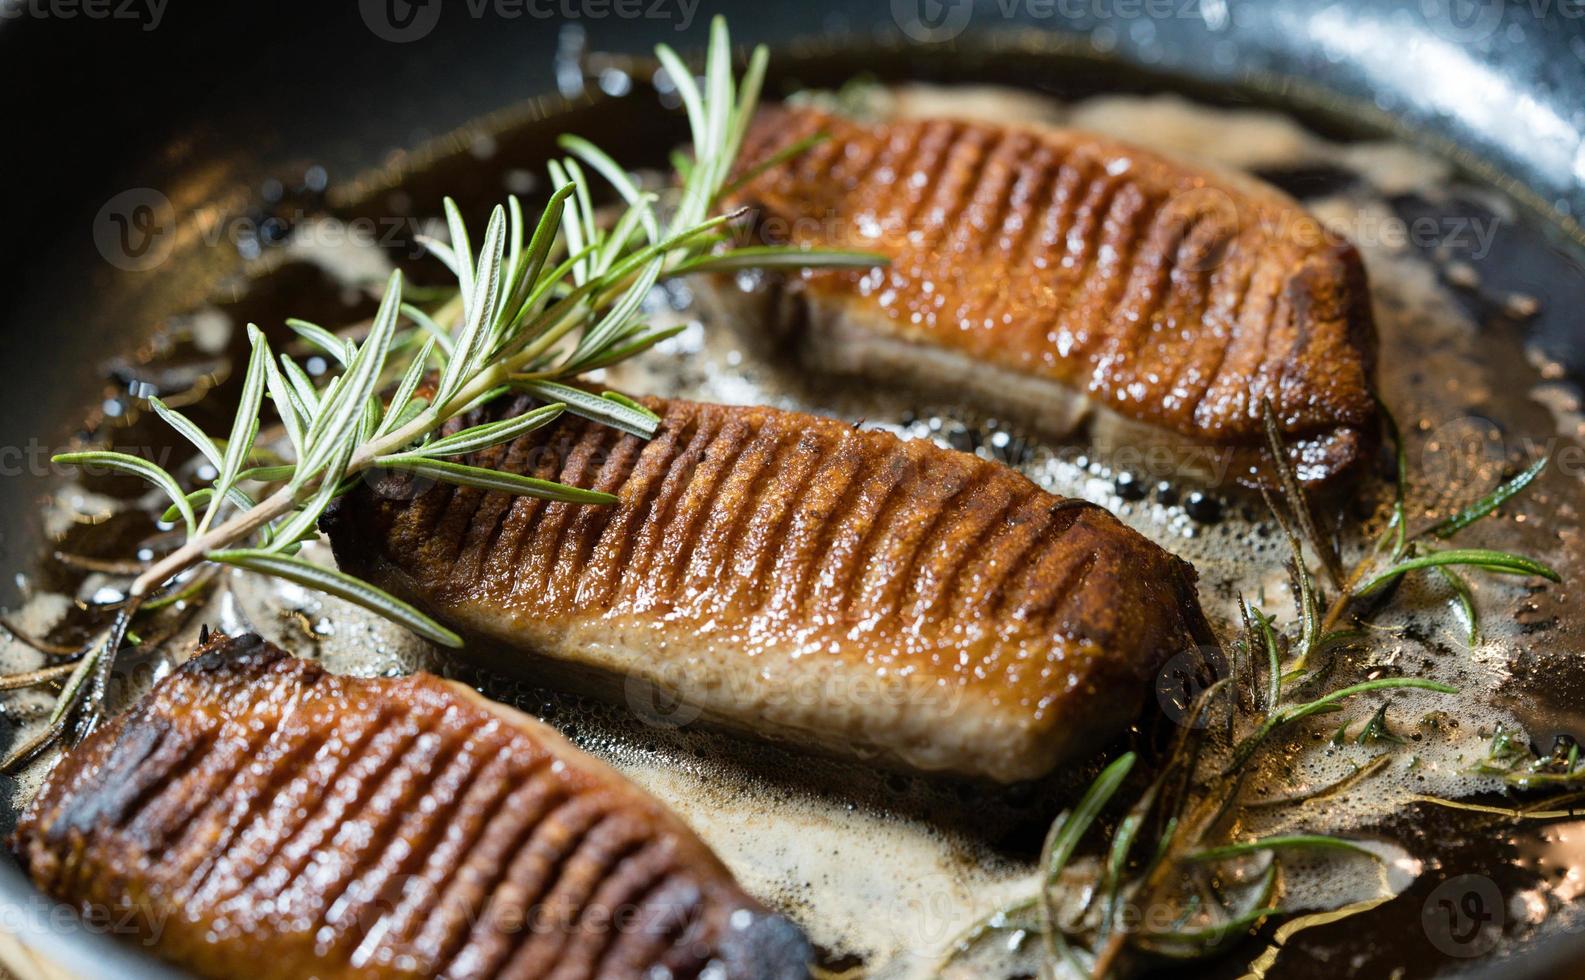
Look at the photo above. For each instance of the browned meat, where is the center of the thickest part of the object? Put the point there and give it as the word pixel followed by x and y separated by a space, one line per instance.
pixel 795 577
pixel 1067 278
pixel 256 816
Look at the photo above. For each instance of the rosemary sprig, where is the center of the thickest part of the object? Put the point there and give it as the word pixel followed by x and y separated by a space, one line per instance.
pixel 1319 842
pixel 1198 803
pixel 1510 757
pixel 538 304
pixel 1062 840
pixel 1485 505
pixel 1480 558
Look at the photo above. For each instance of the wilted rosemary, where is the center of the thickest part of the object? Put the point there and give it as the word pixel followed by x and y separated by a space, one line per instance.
pixel 1177 846
pixel 539 303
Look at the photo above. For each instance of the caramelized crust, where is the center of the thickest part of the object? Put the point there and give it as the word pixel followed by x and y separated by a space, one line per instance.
pixel 1170 297
pixel 795 577
pixel 256 816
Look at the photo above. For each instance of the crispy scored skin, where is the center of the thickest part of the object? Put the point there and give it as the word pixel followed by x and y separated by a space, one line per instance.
pixel 795 577
pixel 257 816
pixel 1170 298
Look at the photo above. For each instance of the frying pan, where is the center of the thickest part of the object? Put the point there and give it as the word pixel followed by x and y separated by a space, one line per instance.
pixel 209 101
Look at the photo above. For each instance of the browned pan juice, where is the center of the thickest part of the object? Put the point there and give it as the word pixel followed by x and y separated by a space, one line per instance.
pixel 882 868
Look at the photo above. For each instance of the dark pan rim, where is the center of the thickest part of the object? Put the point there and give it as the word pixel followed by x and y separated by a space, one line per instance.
pixel 84 950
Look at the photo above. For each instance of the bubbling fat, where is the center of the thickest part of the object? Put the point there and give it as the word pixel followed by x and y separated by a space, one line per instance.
pixel 1432 370
pixel 887 869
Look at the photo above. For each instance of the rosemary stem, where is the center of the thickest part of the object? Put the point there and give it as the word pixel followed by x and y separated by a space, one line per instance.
pixel 1108 955
pixel 235 529
pixel 553 333
pixel 1334 612
pixel 1345 595
pixel 1203 814
pixel 12 682
pixel 240 526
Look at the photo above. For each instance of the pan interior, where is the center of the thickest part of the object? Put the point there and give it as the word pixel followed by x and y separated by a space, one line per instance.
pixel 885 869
